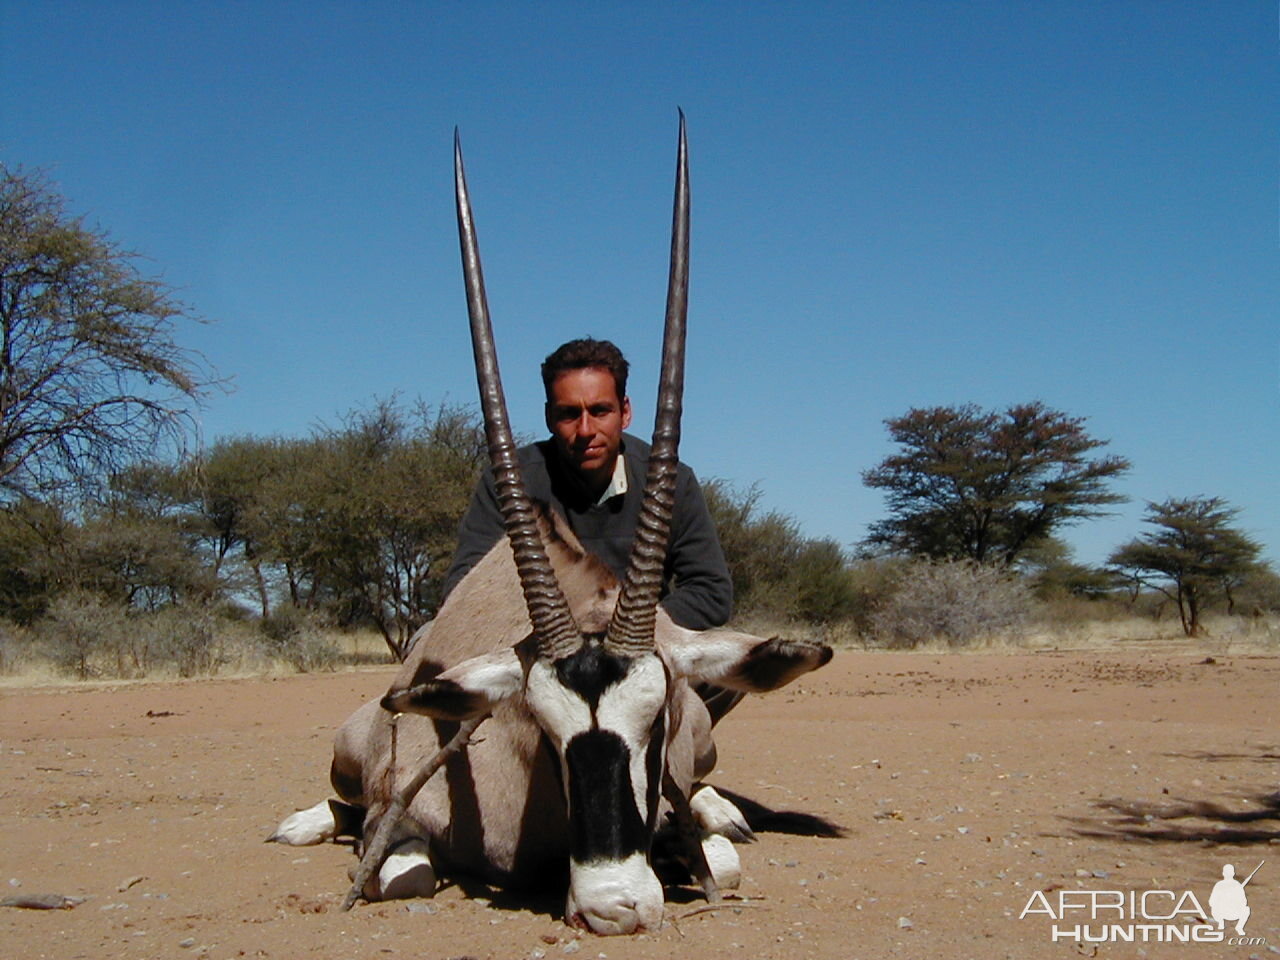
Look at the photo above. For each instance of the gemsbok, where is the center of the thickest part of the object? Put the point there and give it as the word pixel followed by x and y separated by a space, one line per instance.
pixel 594 734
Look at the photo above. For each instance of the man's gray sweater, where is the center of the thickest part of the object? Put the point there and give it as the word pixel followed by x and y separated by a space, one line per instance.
pixel 699 592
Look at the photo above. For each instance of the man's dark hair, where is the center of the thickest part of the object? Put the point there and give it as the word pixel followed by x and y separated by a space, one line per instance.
pixel 584 353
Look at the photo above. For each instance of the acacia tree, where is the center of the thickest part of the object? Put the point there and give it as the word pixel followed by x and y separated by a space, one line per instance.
pixel 986 486
pixel 1193 553
pixel 91 378
pixel 234 492
pixel 357 522
pixel 381 517
pixel 132 550
pixel 1052 572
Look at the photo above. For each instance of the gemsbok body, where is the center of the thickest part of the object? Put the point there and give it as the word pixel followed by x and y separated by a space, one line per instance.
pixel 594 732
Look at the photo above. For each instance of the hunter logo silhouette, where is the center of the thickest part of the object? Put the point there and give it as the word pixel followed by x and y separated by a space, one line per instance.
pixel 1228 900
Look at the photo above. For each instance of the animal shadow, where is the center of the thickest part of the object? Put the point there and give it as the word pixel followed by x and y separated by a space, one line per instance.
pixel 763 819
pixel 1186 820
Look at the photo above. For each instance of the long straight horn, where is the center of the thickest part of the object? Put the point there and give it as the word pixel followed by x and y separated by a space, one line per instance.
pixel 548 611
pixel 631 628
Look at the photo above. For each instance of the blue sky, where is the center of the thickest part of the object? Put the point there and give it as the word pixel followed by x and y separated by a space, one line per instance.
pixel 895 205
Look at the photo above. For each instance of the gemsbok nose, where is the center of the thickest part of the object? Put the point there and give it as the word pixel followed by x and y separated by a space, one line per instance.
pixel 615 897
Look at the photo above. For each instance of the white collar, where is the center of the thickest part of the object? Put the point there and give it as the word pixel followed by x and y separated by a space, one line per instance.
pixel 617 483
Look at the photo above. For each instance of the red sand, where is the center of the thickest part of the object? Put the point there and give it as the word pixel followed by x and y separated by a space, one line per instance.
pixel 966 783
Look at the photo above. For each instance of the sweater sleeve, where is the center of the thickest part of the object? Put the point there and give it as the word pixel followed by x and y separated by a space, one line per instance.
pixel 702 592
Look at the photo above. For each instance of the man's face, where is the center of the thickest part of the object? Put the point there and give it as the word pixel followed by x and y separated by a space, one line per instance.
pixel 586 418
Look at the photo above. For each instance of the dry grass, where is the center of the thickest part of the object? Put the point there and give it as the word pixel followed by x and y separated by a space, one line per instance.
pixel 25 659
pixel 24 666
pixel 1222 634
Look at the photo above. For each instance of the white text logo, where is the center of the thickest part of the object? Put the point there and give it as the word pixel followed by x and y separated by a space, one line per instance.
pixel 1146 916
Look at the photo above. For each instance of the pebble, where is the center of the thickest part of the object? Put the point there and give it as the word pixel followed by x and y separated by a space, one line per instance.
pixel 187 943
pixel 904 923
pixel 573 946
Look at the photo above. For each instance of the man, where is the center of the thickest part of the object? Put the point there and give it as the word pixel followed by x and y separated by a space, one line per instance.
pixel 593 473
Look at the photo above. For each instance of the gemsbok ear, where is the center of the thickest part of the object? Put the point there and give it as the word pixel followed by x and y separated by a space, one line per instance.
pixel 471 689
pixel 743 662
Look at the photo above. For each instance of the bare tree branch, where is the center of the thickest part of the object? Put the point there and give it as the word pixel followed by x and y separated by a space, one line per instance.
pixel 91 377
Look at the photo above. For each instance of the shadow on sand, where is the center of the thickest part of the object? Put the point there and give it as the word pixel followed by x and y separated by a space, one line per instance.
pixel 762 819
pixel 1254 818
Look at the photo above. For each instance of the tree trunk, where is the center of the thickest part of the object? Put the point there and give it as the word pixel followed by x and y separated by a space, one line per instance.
pixel 1193 611
pixel 1182 611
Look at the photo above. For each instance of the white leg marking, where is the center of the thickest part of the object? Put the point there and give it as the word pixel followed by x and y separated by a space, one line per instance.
pixel 716 815
pixel 405 874
pixel 722 859
pixel 306 827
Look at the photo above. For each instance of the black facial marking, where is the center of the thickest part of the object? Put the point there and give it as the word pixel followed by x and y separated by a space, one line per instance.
pixel 591 670
pixel 604 823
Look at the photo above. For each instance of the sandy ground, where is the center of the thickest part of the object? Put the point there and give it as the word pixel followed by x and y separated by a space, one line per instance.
pixel 966 783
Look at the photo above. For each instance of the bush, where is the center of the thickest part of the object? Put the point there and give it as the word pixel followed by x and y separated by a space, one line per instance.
pixel 88 637
pixel 9 648
pixel 955 601
pixel 82 635
pixel 778 573
pixel 187 639
pixel 1074 611
pixel 872 581
pixel 301 639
